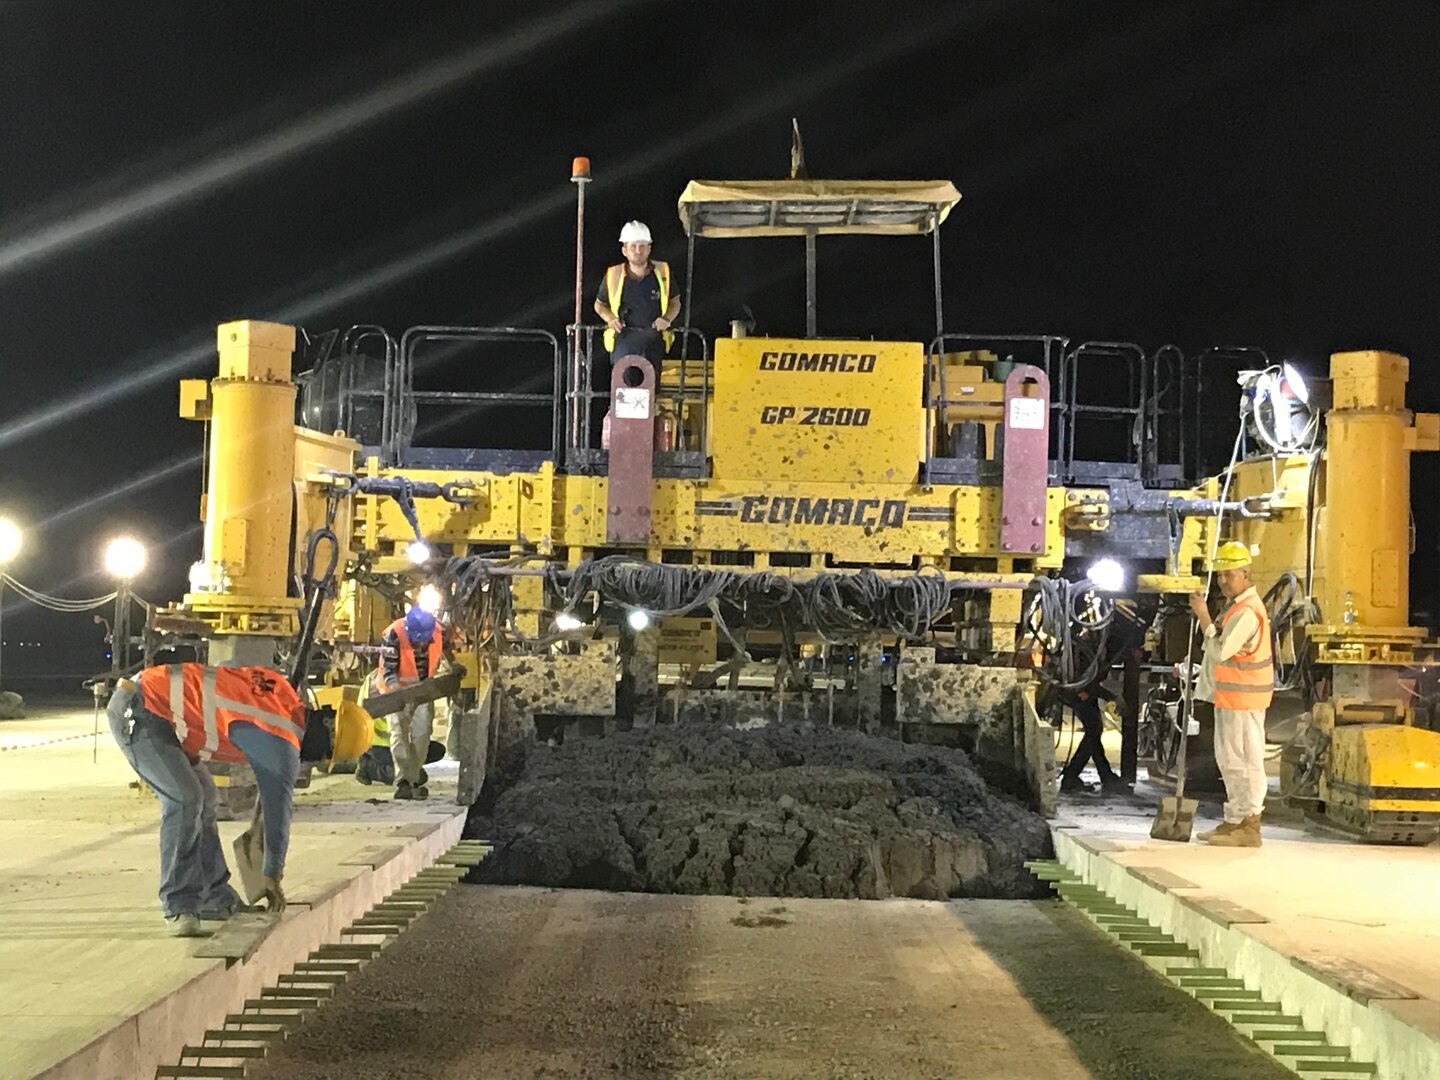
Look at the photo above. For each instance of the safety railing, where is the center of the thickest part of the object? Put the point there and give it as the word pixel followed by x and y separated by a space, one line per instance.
pixel 586 391
pixel 1041 350
pixel 405 399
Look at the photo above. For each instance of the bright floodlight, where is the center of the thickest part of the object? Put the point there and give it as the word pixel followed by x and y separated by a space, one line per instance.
pixel 9 540
pixel 428 599
pixel 567 621
pixel 1107 575
pixel 124 557
pixel 418 551
pixel 1296 383
pixel 638 619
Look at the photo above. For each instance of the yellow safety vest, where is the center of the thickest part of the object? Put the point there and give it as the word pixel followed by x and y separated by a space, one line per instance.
pixel 615 288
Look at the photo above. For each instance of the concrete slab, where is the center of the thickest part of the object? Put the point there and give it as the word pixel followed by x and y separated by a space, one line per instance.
pixel 1346 935
pixel 90 984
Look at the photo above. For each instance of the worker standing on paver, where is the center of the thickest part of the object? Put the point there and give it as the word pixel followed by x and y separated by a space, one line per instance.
pixel 636 300
pixel 1237 673
pixel 411 649
pixel 169 723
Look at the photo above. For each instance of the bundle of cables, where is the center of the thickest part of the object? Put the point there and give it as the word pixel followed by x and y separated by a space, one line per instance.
pixel 1070 625
pixel 839 606
pixel 1290 609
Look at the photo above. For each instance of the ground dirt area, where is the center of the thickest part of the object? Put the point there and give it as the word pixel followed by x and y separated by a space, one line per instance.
pixel 779 810
pixel 501 983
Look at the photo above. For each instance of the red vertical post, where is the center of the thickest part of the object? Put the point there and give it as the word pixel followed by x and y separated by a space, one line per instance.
pixel 1026 466
pixel 632 451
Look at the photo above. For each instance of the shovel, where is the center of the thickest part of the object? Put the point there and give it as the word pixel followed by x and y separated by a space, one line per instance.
pixel 1176 817
pixel 249 850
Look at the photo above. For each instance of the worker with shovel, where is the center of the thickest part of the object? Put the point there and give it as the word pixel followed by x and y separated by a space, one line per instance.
pixel 412 650
pixel 169 723
pixel 1237 673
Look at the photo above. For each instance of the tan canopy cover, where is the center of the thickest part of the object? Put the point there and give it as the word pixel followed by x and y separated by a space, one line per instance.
pixel 727 208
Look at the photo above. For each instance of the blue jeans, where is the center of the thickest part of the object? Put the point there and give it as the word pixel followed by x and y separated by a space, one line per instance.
pixel 193 874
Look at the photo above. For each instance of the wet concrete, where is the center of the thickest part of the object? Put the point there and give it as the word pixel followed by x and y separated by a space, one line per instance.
pixel 781 810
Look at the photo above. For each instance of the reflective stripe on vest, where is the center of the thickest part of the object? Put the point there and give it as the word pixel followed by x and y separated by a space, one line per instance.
pixel 201 702
pixel 615 290
pixel 1246 681
pixel 409 673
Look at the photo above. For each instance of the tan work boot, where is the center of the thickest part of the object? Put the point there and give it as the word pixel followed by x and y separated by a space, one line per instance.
pixel 1219 830
pixel 1246 834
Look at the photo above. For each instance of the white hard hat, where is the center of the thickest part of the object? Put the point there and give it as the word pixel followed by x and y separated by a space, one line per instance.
pixel 635 232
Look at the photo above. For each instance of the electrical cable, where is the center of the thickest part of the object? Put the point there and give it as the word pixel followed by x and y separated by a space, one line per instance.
pixel 58 603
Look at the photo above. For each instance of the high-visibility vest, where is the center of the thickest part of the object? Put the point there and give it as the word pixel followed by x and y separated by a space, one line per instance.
pixel 409 674
pixel 201 702
pixel 615 289
pixel 1247 679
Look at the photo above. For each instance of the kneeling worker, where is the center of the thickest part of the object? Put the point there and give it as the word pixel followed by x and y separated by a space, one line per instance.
pixel 1237 673
pixel 173 719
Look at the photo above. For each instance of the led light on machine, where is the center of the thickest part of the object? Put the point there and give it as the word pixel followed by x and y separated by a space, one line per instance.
pixel 417 551
pixel 638 619
pixel 1293 383
pixel 1107 575
pixel 429 599
pixel 567 620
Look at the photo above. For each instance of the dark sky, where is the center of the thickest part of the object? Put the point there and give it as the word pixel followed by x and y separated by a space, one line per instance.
pixel 1196 173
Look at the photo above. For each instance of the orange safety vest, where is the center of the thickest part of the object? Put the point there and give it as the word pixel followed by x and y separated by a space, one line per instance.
pixel 1247 679
pixel 201 702
pixel 409 673
pixel 615 289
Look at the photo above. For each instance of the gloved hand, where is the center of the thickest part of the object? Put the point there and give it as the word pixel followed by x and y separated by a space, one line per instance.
pixel 274 896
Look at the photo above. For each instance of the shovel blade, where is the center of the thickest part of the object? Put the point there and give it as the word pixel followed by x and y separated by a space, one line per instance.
pixel 1175 820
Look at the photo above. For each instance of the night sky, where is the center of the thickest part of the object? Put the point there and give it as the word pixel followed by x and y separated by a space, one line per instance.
pixel 1196 173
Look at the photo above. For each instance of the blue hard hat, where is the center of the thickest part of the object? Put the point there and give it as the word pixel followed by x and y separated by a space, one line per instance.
pixel 419 624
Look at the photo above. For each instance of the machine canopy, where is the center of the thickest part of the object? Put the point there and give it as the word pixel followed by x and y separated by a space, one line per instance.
pixel 731 208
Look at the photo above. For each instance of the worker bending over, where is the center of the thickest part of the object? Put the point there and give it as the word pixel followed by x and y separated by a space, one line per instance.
pixel 636 301
pixel 1237 673
pixel 412 649
pixel 173 719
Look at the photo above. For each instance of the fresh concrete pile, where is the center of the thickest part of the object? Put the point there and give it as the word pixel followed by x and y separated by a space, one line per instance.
pixel 781 810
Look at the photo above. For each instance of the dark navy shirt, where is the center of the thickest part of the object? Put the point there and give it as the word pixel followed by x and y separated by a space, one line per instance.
pixel 639 300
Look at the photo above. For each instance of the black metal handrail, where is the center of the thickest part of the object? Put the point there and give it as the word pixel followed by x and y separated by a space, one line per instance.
pixel 580 395
pixel 408 396
pixel 1052 348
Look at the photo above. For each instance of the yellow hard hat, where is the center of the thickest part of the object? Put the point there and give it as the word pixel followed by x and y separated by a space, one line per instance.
pixel 354 732
pixel 1231 555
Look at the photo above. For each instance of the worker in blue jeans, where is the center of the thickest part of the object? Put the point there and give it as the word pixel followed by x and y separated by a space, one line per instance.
pixel 174 719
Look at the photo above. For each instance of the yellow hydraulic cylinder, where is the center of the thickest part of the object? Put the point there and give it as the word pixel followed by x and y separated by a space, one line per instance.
pixel 1362 546
pixel 252 463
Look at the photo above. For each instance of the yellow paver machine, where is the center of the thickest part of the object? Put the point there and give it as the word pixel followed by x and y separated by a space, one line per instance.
pixel 884 534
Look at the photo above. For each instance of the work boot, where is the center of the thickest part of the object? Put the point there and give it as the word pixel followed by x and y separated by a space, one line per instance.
pixel 1074 784
pixel 186 924
pixel 363 772
pixel 420 791
pixel 403 790
pixel 1220 830
pixel 1113 785
pixel 1246 834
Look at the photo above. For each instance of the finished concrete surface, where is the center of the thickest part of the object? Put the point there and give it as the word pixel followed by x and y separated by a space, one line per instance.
pixel 90 983
pixel 1345 934
pixel 508 982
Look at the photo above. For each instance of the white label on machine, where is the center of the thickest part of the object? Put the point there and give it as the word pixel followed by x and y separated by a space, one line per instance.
pixel 632 403
pixel 1028 413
